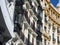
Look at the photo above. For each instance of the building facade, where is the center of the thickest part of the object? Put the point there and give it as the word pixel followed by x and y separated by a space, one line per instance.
pixel 6 20
pixel 29 22
pixel 51 28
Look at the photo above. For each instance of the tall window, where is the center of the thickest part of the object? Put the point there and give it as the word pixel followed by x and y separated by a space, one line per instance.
pixel 49 25
pixel 33 25
pixel 28 39
pixel 32 41
pixel 53 27
pixel 45 28
pixel 45 41
pixel 53 37
pixel 45 18
pixel 58 39
pixel 58 31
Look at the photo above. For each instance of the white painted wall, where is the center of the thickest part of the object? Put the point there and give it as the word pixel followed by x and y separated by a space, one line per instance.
pixel 7 18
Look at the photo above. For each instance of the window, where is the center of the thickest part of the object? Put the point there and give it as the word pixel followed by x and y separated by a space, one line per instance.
pixel 45 18
pixel 53 37
pixel 45 4
pixel 49 25
pixel 58 16
pixel 28 39
pixel 21 35
pixel 58 40
pixel 33 25
pixel 58 31
pixel 45 41
pixel 32 41
pixel 45 28
pixel 27 17
pixel 53 27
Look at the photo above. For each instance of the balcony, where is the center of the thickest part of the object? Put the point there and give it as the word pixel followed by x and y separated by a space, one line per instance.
pixel 34 3
pixel 29 27
pixel 46 35
pixel 26 5
pixel 32 14
pixel 17 38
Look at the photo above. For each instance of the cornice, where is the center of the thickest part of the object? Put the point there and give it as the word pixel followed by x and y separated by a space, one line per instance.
pixel 52 7
pixel 53 10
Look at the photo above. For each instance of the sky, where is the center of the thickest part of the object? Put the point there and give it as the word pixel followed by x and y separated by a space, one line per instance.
pixel 54 2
